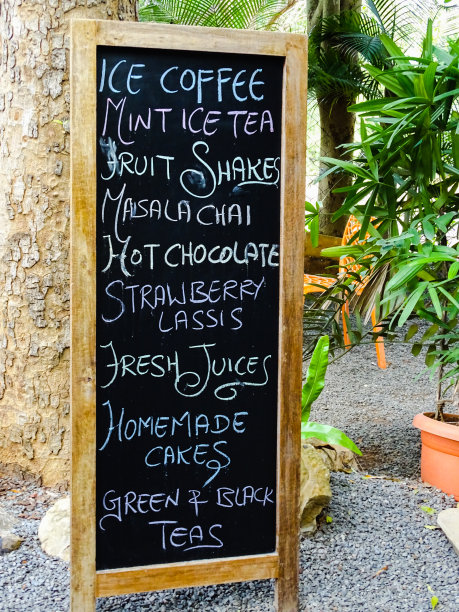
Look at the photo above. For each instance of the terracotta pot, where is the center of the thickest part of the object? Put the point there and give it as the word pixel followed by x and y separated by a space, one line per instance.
pixel 440 451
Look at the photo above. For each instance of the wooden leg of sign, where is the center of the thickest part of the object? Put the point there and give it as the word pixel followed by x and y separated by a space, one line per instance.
pixel 286 594
pixel 82 597
pixel 286 598
pixel 291 337
pixel 83 274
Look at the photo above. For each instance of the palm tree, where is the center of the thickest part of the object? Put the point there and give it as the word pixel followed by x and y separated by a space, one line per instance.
pixel 340 41
pixel 238 14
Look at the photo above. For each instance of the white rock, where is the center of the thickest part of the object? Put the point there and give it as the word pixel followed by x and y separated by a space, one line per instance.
pixel 449 522
pixel 54 530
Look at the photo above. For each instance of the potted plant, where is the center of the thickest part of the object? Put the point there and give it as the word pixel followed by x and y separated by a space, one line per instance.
pixel 405 193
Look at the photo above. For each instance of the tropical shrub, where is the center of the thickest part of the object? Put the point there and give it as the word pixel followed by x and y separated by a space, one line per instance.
pixel 405 194
pixel 315 381
pixel 343 35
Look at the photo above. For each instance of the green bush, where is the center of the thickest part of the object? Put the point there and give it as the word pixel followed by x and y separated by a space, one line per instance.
pixel 405 193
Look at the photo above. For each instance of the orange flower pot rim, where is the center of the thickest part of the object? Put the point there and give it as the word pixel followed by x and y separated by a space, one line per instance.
pixel 425 422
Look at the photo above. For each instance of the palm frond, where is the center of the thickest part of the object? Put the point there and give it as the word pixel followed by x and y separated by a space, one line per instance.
pixel 373 289
pixel 331 78
pixel 192 12
pixel 452 22
pixel 346 22
pixel 400 20
pixel 353 44
pixel 237 14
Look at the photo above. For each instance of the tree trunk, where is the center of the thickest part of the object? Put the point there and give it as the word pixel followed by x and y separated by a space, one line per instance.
pixel 336 128
pixel 34 229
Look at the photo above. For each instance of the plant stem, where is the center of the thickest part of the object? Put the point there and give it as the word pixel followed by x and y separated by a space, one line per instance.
pixel 440 401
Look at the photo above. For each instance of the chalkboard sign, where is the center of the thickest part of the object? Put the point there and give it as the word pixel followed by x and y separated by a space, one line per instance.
pixel 184 184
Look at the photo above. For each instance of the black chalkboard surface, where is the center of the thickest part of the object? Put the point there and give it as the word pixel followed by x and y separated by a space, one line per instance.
pixel 188 233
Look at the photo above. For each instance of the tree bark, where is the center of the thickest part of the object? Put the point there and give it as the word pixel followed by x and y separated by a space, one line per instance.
pixel 336 126
pixel 34 229
pixel 314 12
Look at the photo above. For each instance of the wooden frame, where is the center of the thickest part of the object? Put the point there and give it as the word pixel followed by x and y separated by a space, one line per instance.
pixel 86 583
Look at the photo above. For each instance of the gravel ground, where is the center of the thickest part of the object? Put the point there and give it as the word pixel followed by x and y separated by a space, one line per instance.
pixel 375 555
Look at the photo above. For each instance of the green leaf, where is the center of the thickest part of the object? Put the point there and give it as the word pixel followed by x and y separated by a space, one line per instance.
pixel 353 200
pixel 328 519
pixel 358 322
pixel 431 331
pixel 349 167
pixel 411 303
pixel 453 271
pixel 393 49
pixel 434 598
pixel 442 55
pixel 435 301
pixel 443 221
pixel 367 151
pixel 411 332
pixel 453 93
pixel 430 356
pixel 314 231
pixel 429 78
pixel 328 434
pixel 315 377
pixel 405 102
pixel 342 251
pixel 424 275
pixel 448 295
pixel 428 510
pixel 438 255
pixel 429 316
pixel 388 80
pixel 405 274
pixel 369 212
pixel 455 145
pixel 223 14
pixel 427 45
pixel 429 230
pixel 310 208
pixel 370 105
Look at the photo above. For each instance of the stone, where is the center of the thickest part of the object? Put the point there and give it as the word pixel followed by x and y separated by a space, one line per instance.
pixel 449 522
pixel 9 541
pixel 337 457
pixel 315 491
pixel 54 530
pixel 7 521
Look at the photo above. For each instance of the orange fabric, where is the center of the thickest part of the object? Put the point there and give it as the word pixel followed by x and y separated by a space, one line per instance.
pixel 310 282
pixel 379 344
pixel 352 227
pixel 348 263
